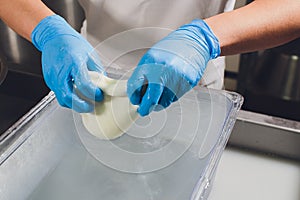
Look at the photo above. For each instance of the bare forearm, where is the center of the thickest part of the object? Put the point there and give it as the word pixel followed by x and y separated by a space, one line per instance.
pixel 259 25
pixel 23 15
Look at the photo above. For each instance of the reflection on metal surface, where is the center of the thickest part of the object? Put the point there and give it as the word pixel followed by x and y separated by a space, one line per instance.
pixel 3 71
pixel 277 75
pixel 13 44
pixel 267 120
pixel 267 134
pixel 13 133
pixel 19 53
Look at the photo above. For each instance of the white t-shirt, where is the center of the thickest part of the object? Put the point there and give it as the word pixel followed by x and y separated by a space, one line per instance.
pixel 121 30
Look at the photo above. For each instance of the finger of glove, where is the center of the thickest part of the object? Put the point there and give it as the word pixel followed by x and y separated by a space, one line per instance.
pixel 85 86
pixel 134 87
pixel 70 100
pixel 94 63
pixel 166 99
pixel 80 105
pixel 150 98
pixel 73 102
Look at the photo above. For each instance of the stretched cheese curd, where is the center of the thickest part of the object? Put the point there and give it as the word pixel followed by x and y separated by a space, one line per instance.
pixel 115 114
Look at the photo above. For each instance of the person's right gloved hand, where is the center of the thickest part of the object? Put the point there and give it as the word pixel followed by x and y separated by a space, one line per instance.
pixel 172 67
pixel 66 60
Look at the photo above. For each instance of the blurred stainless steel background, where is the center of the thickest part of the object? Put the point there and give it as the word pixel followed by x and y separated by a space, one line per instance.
pixel 277 74
pixel 269 81
pixel 23 85
pixel 19 53
pixel 3 70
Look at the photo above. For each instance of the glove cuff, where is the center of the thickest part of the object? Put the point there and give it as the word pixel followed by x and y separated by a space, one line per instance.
pixel 48 28
pixel 210 38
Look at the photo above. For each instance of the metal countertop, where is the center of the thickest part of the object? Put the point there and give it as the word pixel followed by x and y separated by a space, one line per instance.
pixel 267 134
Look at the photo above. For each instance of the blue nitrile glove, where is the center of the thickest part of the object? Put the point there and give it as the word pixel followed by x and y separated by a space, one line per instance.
pixel 66 59
pixel 172 67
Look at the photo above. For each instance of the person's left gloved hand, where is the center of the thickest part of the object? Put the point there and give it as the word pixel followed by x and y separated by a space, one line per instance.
pixel 66 59
pixel 172 67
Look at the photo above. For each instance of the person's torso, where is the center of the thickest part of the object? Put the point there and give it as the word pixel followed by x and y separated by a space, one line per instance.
pixel 122 27
pixel 108 17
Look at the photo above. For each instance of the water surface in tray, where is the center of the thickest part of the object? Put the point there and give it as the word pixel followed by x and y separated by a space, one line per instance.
pixel 80 176
pixel 54 163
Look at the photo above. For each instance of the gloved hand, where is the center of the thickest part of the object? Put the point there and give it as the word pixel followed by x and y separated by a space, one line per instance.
pixel 66 59
pixel 172 67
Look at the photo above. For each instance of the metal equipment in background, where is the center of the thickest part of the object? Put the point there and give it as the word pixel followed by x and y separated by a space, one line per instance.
pixel 22 84
pixel 269 81
pixel 20 54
